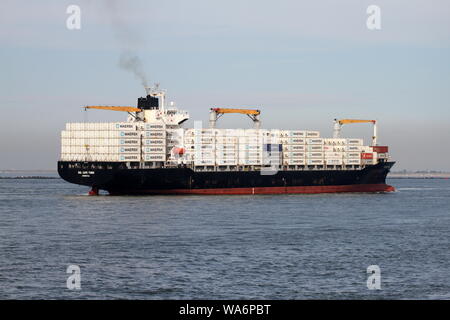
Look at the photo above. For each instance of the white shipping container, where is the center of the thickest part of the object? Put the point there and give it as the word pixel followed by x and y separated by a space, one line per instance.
pixel 352 155
pixel 129 157
pixel 204 162
pixel 294 162
pixel 128 142
pixel 150 126
pixel 339 155
pixel 249 154
pixel 312 162
pixel 356 142
pixel 156 149
pixel 314 141
pixel 316 155
pixel 296 141
pixel 154 134
pixel 154 157
pixel 294 147
pixel 257 146
pixel 333 162
pixel 128 150
pixel 250 162
pixel 154 142
pixel 226 162
pixel 225 154
pixel 293 155
pixel 314 148
pixel 312 134
pixel 226 147
pixel 352 161
pixel 353 148
pixel 123 126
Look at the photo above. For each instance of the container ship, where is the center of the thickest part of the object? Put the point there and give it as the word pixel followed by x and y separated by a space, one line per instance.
pixel 152 153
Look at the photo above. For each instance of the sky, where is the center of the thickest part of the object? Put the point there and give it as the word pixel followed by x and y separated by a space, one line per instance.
pixel 302 63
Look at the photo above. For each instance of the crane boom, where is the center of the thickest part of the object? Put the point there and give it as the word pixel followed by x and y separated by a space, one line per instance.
pixel 346 121
pixel 216 113
pixel 243 111
pixel 114 108
pixel 338 125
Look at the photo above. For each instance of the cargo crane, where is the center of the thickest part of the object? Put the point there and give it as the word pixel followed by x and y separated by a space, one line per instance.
pixel 216 113
pixel 338 126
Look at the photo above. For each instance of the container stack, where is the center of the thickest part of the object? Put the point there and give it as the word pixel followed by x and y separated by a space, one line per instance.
pixel 200 146
pixel 226 147
pixel 154 147
pixel 250 143
pixel 112 142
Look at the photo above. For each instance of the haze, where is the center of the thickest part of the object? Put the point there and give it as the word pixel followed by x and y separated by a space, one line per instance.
pixel 303 63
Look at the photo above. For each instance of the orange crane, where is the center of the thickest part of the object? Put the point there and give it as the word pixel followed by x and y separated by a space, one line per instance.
pixel 114 108
pixel 216 113
pixel 338 125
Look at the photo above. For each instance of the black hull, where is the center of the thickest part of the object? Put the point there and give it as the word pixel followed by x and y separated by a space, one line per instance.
pixel 116 179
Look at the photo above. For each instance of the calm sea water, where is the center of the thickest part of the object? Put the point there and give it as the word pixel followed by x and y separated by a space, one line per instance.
pixel 224 247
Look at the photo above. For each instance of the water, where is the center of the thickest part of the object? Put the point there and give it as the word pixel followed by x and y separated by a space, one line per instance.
pixel 224 247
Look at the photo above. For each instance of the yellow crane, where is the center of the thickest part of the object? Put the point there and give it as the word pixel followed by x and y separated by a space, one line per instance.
pixel 338 126
pixel 216 113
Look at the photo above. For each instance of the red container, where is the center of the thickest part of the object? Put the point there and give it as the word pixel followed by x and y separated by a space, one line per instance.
pixel 380 149
pixel 366 155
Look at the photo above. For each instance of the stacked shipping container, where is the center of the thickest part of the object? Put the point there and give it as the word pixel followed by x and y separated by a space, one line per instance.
pixel 154 142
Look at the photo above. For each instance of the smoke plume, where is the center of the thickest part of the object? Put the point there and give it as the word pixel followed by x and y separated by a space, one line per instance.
pixel 131 62
pixel 128 40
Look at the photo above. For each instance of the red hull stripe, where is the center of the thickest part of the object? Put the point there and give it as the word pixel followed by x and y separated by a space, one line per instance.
pixel 274 190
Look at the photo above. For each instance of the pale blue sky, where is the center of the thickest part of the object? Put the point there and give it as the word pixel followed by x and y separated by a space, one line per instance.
pixel 303 63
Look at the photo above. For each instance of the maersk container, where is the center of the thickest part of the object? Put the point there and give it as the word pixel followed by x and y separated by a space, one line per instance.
pixel 250 162
pixel 296 141
pixel 226 147
pixel 294 162
pixel 314 141
pixel 314 148
pixel 356 142
pixel 292 155
pixel 128 150
pixel 154 142
pixel 294 147
pixel 150 126
pixel 352 148
pixel 153 157
pixel 204 162
pixel 352 155
pixel 311 162
pixel 154 150
pixel 226 162
pixel 154 134
pixel 333 162
pixel 352 161
pixel 312 134
pixel 129 142
pixel 314 155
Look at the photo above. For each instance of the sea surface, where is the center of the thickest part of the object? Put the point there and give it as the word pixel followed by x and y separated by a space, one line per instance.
pixel 224 247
